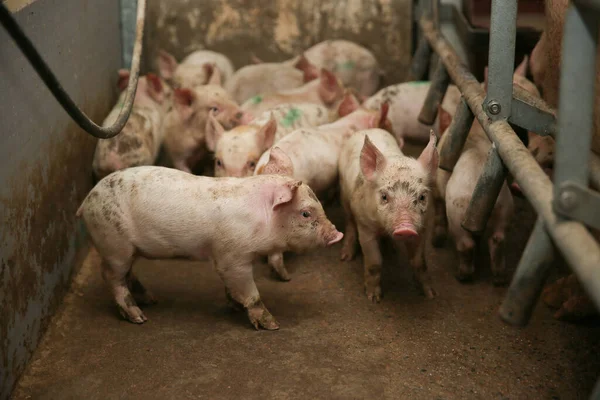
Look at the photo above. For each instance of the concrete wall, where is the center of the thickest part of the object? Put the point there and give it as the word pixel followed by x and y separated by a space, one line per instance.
pixel 278 29
pixel 45 162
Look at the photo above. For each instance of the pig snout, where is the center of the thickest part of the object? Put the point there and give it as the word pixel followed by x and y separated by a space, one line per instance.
pixel 405 231
pixel 332 236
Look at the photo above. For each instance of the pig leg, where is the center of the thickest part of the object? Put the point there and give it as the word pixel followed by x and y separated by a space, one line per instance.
pixel 465 246
pixel 276 262
pixel 350 238
pixel 115 275
pixel 440 223
pixel 140 293
pixel 239 283
pixel 497 259
pixel 416 254
pixel 372 260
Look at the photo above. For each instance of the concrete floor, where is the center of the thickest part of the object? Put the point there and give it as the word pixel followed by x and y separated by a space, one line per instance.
pixel 332 344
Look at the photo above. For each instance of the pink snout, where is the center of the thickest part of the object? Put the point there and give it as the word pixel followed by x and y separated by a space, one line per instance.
pixel 405 231
pixel 336 238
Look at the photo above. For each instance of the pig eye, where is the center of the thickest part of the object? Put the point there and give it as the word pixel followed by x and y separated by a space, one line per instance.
pixel 422 198
pixel 305 214
pixel 251 164
pixel 214 109
pixel 384 197
pixel 219 163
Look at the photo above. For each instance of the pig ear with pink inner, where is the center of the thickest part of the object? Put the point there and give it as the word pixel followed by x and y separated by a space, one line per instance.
pixel 212 73
pixel 279 163
pixel 183 100
pixel 430 158
pixel 265 137
pixel 214 131
pixel 372 160
pixel 348 105
pixel 444 119
pixel 155 87
pixel 330 88
pixel 311 72
pixel 522 68
pixel 166 64
pixel 284 193
pixel 123 80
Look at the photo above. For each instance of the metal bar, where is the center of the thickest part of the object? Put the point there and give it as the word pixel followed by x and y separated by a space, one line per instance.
pixel 578 203
pixel 589 3
pixel 595 171
pixel 572 238
pixel 458 131
pixel 485 194
pixel 576 102
pixel 503 32
pixel 527 115
pixel 420 61
pixel 435 95
pixel 528 280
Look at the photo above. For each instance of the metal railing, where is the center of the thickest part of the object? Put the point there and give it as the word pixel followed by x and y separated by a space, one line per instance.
pixel 565 207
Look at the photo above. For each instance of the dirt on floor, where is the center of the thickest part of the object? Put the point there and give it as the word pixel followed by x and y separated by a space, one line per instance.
pixel 333 343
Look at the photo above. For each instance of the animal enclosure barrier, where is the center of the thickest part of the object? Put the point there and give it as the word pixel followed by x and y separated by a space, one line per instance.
pixel 564 206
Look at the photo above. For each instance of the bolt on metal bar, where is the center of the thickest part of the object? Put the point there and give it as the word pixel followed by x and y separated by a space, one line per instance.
pixel 485 194
pixel 528 280
pixel 435 95
pixel 578 203
pixel 458 131
pixel 503 33
pixel 572 239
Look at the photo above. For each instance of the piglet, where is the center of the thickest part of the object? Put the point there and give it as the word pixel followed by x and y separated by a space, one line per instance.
pixel 406 100
pixel 141 137
pixel 163 213
pixel 185 123
pixel 326 91
pixel 237 150
pixel 353 64
pixel 311 155
pixel 191 71
pixel 253 80
pixel 385 193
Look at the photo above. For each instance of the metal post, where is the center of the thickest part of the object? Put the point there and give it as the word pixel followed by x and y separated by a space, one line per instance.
pixel 437 90
pixel 420 61
pixel 485 194
pixel 458 131
pixel 503 31
pixel 572 239
pixel 529 278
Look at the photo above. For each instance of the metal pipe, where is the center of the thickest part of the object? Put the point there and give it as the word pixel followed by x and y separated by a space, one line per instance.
pixel 458 131
pixel 573 240
pixel 528 280
pixel 435 95
pixel 503 32
pixel 59 93
pixel 485 194
pixel 595 171
pixel 420 61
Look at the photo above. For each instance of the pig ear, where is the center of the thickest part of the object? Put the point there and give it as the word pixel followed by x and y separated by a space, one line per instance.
pixel 310 71
pixel 213 74
pixel 265 137
pixel 371 159
pixel 183 99
pixel 155 87
pixel 330 88
pixel 279 163
pixel 349 104
pixel 430 158
pixel 383 113
pixel 285 193
pixel 214 131
pixel 123 80
pixel 444 119
pixel 166 64
pixel 522 68
pixel 254 59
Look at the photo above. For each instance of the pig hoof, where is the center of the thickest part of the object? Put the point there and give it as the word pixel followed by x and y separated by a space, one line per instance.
pixel 133 314
pixel 429 292
pixel 282 274
pixel 260 317
pixel 374 295
pixel 347 255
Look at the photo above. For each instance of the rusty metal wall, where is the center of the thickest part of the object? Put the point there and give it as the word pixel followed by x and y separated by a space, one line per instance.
pixel 278 29
pixel 45 163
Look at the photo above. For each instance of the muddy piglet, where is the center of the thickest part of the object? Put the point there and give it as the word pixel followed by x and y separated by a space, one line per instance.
pixel 141 137
pixel 385 193
pixel 191 71
pixel 165 213
pixel 185 123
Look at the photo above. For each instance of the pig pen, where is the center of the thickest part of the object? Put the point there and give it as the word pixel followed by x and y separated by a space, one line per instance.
pixel 333 343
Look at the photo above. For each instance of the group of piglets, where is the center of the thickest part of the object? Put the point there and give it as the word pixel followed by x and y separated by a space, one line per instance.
pixel 284 137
